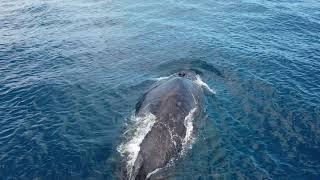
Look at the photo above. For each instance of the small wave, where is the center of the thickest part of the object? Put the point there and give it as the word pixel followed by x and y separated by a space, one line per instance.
pixel 131 148
pixel 203 84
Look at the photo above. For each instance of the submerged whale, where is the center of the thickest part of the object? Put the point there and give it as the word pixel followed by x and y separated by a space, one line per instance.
pixel 171 105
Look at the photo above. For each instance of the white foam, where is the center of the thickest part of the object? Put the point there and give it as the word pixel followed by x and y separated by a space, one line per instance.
pixel 153 172
pixel 188 123
pixel 131 148
pixel 162 78
pixel 169 164
pixel 203 84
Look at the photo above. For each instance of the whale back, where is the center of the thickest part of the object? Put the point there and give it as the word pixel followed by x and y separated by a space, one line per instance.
pixel 170 102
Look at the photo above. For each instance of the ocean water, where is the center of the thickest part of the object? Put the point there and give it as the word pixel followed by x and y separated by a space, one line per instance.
pixel 71 73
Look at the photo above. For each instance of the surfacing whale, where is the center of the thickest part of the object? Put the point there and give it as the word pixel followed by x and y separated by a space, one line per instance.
pixel 168 110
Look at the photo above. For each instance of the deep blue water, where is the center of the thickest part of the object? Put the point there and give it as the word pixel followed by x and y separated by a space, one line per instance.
pixel 71 73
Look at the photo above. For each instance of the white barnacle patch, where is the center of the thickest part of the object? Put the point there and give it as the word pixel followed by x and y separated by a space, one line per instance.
pixel 130 149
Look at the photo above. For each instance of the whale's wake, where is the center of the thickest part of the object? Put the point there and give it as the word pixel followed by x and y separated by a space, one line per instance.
pixel 189 138
pixel 161 78
pixel 200 83
pixel 140 128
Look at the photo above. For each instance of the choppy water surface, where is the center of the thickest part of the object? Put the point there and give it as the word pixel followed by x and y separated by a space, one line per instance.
pixel 71 73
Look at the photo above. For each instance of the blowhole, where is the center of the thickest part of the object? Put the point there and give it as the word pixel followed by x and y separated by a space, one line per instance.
pixel 182 74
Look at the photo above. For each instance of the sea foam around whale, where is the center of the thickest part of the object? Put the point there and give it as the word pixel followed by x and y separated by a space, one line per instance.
pixel 198 81
pixel 140 128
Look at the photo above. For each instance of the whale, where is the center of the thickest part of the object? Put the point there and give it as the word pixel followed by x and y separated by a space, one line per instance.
pixel 173 103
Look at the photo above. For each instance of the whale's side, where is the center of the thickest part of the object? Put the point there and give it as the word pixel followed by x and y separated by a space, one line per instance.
pixel 171 102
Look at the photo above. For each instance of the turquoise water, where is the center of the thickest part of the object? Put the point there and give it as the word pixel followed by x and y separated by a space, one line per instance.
pixel 71 73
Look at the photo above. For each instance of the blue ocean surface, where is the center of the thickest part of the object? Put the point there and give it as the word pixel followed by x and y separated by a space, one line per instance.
pixel 71 73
